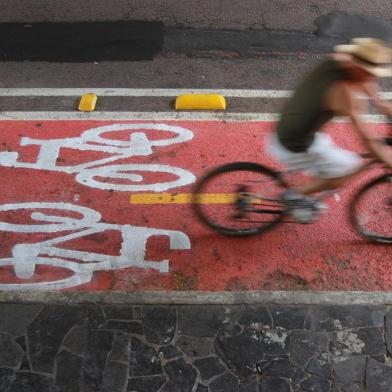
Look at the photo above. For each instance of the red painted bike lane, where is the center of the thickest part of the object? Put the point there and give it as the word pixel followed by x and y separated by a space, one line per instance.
pixel 67 223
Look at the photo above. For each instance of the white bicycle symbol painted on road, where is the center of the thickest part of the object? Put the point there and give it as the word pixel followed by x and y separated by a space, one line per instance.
pixel 25 257
pixel 101 173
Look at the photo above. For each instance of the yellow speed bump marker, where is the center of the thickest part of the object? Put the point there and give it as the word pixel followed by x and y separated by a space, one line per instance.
pixel 200 102
pixel 87 102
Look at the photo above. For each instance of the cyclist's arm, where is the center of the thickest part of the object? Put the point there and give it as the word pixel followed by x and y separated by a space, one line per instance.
pixel 374 143
pixel 372 90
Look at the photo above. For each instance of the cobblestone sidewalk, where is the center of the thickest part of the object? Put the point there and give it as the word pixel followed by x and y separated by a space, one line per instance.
pixel 239 348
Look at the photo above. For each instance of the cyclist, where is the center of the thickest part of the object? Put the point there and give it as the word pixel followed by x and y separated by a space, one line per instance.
pixel 332 88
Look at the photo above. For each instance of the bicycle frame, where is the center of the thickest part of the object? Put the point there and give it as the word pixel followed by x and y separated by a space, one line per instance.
pixel 322 196
pixel 263 200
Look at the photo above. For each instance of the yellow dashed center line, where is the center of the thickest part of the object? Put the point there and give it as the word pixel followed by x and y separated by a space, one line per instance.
pixel 182 198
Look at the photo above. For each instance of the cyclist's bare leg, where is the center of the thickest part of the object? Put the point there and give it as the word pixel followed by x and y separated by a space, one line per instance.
pixel 322 184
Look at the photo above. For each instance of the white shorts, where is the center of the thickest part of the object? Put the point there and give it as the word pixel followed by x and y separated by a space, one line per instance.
pixel 323 159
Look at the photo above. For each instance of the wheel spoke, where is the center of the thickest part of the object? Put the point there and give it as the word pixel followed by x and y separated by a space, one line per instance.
pixel 372 210
pixel 248 213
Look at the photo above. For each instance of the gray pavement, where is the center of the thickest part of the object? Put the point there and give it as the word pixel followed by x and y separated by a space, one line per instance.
pixel 176 72
pixel 228 348
pixel 244 14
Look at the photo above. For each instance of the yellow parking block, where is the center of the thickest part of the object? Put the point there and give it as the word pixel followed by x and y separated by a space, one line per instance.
pixel 200 102
pixel 87 102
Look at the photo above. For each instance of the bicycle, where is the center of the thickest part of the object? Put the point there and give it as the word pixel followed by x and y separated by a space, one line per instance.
pixel 254 211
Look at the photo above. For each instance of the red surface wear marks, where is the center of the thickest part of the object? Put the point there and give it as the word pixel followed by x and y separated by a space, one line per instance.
pixel 326 255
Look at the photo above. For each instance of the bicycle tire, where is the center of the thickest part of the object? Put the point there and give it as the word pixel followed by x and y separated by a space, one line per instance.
pixel 359 216
pixel 236 167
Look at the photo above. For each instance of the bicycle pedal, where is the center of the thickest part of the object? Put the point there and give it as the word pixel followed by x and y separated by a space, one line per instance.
pixel 242 189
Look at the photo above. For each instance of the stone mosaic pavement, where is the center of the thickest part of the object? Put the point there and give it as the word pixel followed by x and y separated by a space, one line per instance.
pixel 239 348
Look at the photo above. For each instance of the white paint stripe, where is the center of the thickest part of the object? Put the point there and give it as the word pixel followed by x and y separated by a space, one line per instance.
pixel 373 298
pixel 140 92
pixel 185 116
pixel 148 92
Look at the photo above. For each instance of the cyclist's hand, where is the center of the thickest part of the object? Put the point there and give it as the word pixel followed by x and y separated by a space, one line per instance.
pixel 388 139
pixel 390 125
pixel 388 162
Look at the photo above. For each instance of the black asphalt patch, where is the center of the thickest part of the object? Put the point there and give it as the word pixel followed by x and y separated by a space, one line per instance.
pixel 133 41
pixel 81 42
pixel 347 26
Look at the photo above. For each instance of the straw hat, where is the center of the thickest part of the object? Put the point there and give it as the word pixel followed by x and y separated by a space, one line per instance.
pixel 373 55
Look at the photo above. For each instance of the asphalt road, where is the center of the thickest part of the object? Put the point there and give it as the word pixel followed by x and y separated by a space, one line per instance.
pixel 155 53
pixel 286 15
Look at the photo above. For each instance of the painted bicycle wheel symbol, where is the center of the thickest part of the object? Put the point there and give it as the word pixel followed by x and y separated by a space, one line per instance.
pixel 119 142
pixel 60 218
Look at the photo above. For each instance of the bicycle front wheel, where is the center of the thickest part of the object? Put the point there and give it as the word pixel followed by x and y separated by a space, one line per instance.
pixel 239 199
pixel 371 210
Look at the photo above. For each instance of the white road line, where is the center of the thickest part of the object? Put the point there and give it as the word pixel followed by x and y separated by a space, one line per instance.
pixel 201 116
pixel 164 116
pixel 148 92
pixel 139 92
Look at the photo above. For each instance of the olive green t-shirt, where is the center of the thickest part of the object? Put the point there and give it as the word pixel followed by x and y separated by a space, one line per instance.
pixel 303 115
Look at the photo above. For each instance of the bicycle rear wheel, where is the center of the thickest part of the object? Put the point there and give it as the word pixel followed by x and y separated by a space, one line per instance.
pixel 239 199
pixel 371 210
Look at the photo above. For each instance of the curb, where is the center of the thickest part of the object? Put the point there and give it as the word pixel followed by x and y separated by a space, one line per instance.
pixel 202 298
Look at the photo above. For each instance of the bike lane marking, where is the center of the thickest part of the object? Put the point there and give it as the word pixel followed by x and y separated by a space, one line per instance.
pixel 181 198
pixel 92 238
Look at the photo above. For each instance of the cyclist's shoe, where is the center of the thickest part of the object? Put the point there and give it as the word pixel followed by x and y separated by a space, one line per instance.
pixel 303 214
pixel 320 206
pixel 303 209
